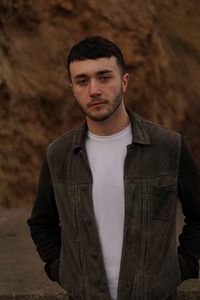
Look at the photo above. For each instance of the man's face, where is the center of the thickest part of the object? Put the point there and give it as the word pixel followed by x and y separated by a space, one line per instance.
pixel 98 86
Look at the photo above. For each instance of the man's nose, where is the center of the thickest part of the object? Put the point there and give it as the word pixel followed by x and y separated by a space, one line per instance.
pixel 94 88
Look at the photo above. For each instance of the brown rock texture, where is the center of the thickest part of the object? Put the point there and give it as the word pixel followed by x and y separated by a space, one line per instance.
pixel 161 44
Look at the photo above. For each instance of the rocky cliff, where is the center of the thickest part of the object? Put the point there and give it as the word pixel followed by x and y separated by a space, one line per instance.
pixel 161 44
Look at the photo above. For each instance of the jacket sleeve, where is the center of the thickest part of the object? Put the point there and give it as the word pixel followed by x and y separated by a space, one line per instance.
pixel 44 224
pixel 189 194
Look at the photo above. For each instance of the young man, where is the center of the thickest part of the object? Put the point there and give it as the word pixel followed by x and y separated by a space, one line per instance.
pixel 104 220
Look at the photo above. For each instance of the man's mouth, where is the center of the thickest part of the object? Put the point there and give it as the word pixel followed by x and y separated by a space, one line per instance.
pixel 97 103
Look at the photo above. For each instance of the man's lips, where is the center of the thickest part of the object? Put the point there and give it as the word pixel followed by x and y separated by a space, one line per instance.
pixel 97 103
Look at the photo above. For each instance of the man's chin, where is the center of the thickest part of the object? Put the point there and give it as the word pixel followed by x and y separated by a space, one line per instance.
pixel 98 117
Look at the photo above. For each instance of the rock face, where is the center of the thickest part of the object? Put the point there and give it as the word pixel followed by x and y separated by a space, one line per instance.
pixel 161 45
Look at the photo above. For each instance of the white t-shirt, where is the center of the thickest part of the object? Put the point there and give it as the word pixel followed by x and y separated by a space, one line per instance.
pixel 106 156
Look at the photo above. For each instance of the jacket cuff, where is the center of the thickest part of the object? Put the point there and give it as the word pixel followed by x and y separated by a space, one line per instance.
pixel 52 269
pixel 189 266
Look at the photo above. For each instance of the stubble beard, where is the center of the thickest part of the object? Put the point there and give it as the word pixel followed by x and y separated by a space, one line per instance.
pixel 98 116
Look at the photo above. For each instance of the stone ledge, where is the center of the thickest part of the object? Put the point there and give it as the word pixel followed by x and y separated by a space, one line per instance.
pixel 189 290
pixel 47 296
pixel 188 296
pixel 183 294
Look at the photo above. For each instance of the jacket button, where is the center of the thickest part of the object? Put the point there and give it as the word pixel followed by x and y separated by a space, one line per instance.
pixel 87 221
pixel 102 289
pixel 94 255
pixel 83 188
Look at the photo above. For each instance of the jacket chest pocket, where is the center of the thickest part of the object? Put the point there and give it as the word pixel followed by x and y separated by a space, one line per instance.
pixel 163 201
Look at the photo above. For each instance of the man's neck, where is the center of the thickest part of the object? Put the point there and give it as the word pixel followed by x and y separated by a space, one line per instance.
pixel 116 123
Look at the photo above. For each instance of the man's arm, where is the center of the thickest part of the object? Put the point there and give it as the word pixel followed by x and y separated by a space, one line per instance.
pixel 44 224
pixel 189 194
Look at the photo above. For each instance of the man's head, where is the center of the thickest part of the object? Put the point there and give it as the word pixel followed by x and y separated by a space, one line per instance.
pixel 93 48
pixel 98 79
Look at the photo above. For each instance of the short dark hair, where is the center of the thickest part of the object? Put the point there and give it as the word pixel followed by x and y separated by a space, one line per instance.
pixel 95 47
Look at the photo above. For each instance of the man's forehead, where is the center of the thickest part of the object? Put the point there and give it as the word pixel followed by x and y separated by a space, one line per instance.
pixel 89 66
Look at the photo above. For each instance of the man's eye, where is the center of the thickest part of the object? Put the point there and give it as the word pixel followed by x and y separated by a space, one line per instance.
pixel 104 77
pixel 82 81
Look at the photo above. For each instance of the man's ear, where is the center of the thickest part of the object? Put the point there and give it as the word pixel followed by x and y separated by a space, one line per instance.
pixel 71 87
pixel 125 79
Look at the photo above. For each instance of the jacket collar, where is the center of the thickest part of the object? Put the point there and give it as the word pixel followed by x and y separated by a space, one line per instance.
pixel 138 126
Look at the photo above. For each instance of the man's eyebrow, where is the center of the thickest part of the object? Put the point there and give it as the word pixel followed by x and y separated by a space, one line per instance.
pixel 106 71
pixel 80 76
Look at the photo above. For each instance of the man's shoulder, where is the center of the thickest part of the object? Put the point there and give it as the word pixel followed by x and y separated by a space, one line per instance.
pixel 159 134
pixel 65 141
pixel 164 141
pixel 158 130
pixel 151 127
pixel 156 127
